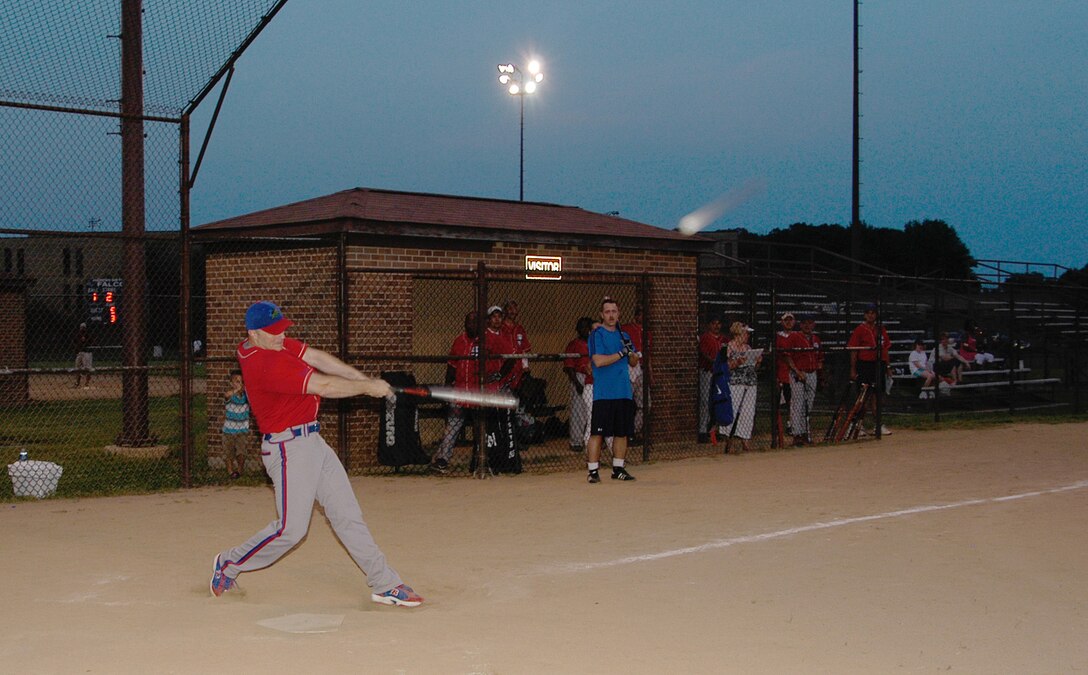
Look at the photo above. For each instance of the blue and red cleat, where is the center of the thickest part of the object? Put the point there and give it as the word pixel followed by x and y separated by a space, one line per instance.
pixel 401 595
pixel 221 583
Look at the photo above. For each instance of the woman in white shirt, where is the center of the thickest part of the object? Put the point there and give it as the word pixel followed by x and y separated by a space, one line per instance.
pixel 919 367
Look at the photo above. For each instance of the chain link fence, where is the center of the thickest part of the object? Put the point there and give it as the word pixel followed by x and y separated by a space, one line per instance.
pixel 71 419
pixel 95 373
pixel 73 396
pixel 107 384
pixel 1009 348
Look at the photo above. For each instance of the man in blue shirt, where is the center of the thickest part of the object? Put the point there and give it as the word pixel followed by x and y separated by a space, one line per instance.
pixel 610 354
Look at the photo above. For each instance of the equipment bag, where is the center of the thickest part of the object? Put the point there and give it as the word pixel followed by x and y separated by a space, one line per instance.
pixel 398 435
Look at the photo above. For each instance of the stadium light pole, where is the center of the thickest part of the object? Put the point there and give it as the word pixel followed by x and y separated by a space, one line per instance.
pixel 521 84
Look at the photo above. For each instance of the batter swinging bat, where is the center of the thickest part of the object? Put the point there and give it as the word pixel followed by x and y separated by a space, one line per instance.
pixel 487 399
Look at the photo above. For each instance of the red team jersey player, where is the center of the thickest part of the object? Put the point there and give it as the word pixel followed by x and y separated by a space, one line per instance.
pixel 285 380
pixel 462 371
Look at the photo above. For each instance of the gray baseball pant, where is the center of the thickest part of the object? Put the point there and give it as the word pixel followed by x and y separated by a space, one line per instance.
pixel 304 468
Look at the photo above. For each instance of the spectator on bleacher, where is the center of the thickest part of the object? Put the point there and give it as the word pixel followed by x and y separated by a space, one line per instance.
pixel 634 329
pixel 784 365
pixel 710 343
pixel 867 362
pixel 967 345
pixel 919 367
pixel 806 361
pixel 986 344
pixel 947 362
pixel 742 385
pixel 581 377
pixel 969 348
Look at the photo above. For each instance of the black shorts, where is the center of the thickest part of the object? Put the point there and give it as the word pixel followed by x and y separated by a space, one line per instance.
pixel 613 417
pixel 945 367
pixel 867 372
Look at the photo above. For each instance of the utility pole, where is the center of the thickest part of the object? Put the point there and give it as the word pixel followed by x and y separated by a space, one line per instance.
pixel 134 431
pixel 855 210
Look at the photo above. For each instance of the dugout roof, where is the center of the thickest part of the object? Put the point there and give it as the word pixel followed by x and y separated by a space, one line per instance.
pixel 388 213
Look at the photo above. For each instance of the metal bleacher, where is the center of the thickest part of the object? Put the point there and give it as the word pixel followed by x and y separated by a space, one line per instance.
pixel 1028 384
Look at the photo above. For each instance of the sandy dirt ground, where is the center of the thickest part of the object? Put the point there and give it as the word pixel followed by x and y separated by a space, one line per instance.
pixel 58 387
pixel 951 551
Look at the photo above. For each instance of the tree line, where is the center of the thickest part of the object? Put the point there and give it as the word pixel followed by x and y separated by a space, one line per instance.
pixel 927 248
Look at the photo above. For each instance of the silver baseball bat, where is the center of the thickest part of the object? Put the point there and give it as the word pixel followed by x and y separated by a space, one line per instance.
pixel 487 399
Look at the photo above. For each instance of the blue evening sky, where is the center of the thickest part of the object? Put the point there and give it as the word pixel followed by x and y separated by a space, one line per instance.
pixel 973 111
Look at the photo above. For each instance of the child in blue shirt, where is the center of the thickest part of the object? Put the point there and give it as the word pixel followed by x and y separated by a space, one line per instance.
pixel 235 426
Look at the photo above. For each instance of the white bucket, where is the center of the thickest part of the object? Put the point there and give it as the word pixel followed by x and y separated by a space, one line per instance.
pixel 32 478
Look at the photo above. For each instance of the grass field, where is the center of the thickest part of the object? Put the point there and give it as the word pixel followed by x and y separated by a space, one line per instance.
pixel 74 434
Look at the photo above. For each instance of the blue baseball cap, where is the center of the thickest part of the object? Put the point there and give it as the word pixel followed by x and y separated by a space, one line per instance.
pixel 267 316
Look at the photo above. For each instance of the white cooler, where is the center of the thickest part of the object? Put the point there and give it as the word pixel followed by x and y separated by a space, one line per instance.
pixel 32 478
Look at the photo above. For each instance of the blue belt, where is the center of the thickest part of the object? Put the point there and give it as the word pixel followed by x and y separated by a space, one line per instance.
pixel 300 430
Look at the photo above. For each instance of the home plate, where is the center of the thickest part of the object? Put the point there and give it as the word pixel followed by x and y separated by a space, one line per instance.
pixel 305 623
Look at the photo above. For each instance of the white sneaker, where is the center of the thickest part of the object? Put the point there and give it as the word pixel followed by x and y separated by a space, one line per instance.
pixel 885 431
pixel 923 395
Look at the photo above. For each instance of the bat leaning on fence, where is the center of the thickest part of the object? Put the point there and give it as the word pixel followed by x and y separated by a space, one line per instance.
pixel 487 399
pixel 852 424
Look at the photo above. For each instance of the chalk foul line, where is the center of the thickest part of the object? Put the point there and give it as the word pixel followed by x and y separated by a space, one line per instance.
pixel 840 522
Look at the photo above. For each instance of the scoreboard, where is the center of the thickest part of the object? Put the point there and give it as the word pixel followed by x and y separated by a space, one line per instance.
pixel 103 297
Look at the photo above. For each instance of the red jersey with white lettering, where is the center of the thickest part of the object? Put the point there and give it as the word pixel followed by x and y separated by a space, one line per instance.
pixel 276 384
pixel 519 340
pixel 465 370
pixel 781 343
pixel 635 331
pixel 865 336
pixel 709 346
pixel 580 364
pixel 497 343
pixel 806 361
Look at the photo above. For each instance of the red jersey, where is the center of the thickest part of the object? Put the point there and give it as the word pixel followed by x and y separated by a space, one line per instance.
pixel 806 361
pixel 781 343
pixel 635 331
pixel 865 336
pixel 580 364
pixel 517 337
pixel 276 384
pixel 709 346
pixel 969 347
pixel 465 370
pixel 496 343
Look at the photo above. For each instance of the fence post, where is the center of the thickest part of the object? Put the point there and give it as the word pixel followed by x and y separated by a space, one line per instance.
pixel 647 407
pixel 937 310
pixel 482 469
pixel 1078 347
pixel 185 386
pixel 776 387
pixel 342 330
pixel 881 363
pixel 1014 349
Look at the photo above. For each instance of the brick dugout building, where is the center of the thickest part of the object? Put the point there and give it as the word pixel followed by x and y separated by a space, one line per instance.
pixel 383 280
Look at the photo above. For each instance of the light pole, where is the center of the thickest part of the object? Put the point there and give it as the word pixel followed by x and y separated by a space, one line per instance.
pixel 519 84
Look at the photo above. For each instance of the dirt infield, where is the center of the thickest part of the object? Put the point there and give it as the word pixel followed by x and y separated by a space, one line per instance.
pixel 58 387
pixel 961 551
